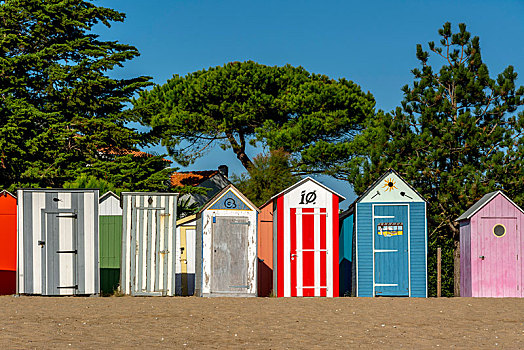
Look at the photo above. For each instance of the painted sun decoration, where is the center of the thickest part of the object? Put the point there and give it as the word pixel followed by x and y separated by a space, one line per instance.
pixel 389 184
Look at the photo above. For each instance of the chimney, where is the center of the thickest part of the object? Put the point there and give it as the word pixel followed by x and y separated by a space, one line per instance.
pixel 223 170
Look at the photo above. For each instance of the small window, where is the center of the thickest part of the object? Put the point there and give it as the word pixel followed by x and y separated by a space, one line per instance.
pixel 499 230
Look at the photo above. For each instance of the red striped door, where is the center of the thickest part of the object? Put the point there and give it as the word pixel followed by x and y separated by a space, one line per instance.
pixel 309 253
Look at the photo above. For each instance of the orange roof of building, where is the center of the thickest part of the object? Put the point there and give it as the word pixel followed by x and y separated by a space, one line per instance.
pixel 124 152
pixel 191 178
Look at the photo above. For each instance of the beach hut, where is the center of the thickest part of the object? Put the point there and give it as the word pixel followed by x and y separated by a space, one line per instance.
pixel 227 246
pixel 305 240
pixel 7 243
pixel 185 256
pixel 58 242
pixel 491 248
pixel 148 243
pixel 345 251
pixel 390 240
pixel 110 241
pixel 265 249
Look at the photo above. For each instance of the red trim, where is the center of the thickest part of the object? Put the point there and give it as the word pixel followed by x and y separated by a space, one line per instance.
pixel 308 258
pixel 335 247
pixel 280 246
pixel 323 255
pixel 293 250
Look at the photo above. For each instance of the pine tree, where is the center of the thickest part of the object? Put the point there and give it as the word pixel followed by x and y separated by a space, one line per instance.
pixel 60 111
pixel 456 137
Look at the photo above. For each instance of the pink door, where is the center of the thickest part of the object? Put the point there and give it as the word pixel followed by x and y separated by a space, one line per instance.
pixel 498 257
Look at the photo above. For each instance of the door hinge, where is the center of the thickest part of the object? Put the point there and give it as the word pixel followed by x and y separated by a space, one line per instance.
pixel 68 287
pixel 72 216
pixel 67 251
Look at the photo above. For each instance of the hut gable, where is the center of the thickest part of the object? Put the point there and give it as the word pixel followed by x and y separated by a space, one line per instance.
pixel 390 187
pixel 482 203
pixel 230 198
pixel 307 185
pixel 110 204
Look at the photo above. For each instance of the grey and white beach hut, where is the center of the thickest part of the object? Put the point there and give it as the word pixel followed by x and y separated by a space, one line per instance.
pixel 58 242
pixel 148 243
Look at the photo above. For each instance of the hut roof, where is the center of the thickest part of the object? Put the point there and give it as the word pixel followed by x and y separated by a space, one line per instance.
pixel 4 193
pixel 108 194
pixel 389 171
pixel 299 183
pixel 481 203
pixel 224 190
pixel 186 219
pixel 191 178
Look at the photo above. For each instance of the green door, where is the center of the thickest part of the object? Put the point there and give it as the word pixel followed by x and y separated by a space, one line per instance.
pixel 110 252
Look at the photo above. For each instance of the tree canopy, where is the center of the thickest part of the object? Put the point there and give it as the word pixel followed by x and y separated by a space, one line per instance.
pixel 456 137
pixel 283 107
pixel 61 114
pixel 269 175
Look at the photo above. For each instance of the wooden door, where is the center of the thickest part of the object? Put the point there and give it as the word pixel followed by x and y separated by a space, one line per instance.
pixel 391 235
pixel 309 252
pixel 60 259
pixel 229 256
pixel 498 257
pixel 149 263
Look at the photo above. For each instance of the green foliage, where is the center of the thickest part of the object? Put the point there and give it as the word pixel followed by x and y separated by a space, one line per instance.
pixel 89 181
pixel 269 175
pixel 59 110
pixel 455 138
pixel 282 107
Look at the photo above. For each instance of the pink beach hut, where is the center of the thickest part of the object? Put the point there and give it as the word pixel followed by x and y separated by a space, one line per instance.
pixel 491 248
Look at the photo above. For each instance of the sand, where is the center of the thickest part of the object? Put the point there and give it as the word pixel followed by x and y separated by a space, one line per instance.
pixel 260 323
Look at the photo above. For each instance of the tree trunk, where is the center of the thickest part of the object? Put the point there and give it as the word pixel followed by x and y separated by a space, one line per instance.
pixel 456 268
pixel 240 150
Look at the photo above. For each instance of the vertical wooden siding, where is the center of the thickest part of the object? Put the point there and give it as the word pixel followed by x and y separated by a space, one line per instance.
pixel 7 243
pixel 499 274
pixel 265 250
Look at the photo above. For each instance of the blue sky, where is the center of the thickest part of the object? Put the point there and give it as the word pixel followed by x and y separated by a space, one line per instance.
pixel 371 43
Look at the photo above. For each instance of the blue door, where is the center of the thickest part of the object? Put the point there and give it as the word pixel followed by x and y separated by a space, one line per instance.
pixel 391 250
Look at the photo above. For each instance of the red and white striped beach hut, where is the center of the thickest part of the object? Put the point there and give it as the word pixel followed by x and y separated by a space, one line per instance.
pixel 305 240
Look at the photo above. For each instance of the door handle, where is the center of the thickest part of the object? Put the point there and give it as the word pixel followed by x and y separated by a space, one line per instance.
pixel 481 257
pixel 293 256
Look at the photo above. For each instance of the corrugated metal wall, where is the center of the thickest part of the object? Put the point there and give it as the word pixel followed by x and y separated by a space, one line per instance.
pixel 7 243
pixel 58 242
pixel 110 242
pixel 149 243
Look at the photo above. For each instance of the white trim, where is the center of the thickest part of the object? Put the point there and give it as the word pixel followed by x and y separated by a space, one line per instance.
pixel 373 217
pixel 386 250
pixel 386 285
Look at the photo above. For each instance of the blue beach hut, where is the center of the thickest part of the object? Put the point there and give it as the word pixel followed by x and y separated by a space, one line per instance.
pixel 345 250
pixel 390 243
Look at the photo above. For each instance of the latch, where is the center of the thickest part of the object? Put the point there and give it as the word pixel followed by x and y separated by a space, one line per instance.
pixel 41 243
pixel 481 257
